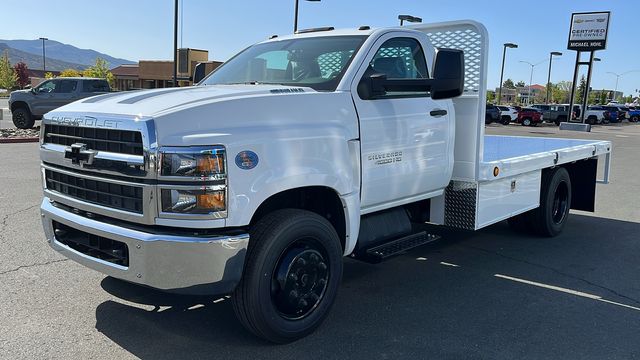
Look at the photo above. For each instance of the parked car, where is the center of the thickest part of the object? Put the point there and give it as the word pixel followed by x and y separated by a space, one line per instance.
pixel 613 112
pixel 634 114
pixel 27 106
pixel 507 114
pixel 492 114
pixel 530 117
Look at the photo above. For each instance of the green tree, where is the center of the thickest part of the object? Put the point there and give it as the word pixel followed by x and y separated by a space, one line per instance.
pixel 8 78
pixel 582 89
pixel 491 97
pixel 508 84
pixel 100 70
pixel 603 97
pixel 520 84
pixel 70 73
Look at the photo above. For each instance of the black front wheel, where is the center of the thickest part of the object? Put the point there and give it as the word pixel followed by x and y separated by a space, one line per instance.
pixel 22 118
pixel 291 277
pixel 555 201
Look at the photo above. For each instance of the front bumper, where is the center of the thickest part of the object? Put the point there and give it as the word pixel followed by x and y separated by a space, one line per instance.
pixel 182 264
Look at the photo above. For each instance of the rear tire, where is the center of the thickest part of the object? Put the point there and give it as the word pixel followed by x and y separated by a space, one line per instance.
pixel 506 120
pixel 22 118
pixel 634 118
pixel 592 120
pixel 526 122
pixel 555 201
pixel 291 277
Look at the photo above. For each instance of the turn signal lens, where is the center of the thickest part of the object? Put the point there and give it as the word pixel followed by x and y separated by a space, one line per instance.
pixel 210 164
pixel 193 201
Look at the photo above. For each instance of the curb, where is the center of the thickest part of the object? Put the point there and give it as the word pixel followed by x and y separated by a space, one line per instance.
pixel 18 140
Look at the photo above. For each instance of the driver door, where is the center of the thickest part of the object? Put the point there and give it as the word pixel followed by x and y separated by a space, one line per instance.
pixel 406 138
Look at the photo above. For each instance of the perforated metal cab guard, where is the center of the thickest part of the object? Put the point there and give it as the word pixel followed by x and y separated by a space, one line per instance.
pixel 469 36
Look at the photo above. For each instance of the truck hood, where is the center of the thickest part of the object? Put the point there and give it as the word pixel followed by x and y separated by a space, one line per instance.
pixel 159 102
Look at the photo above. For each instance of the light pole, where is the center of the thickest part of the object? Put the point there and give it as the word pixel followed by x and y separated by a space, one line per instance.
pixel 551 55
pixel 504 55
pixel 175 45
pixel 409 18
pixel 295 17
pixel 615 92
pixel 530 78
pixel 44 58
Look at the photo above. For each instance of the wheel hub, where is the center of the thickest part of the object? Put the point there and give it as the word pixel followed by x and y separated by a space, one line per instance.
pixel 560 203
pixel 299 282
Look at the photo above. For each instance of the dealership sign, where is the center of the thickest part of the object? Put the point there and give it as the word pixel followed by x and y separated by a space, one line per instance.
pixel 589 31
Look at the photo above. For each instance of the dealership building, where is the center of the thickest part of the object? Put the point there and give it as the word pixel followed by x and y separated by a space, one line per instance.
pixel 152 74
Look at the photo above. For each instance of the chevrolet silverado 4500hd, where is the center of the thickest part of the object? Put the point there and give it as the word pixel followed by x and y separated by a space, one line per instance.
pixel 298 151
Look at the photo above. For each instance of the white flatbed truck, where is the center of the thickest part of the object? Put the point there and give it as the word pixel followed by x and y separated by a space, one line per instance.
pixel 296 152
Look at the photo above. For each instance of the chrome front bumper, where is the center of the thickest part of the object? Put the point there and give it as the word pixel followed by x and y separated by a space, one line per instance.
pixel 182 264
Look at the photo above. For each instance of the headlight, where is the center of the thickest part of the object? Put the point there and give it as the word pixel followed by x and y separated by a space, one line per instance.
pixel 199 182
pixel 200 201
pixel 203 164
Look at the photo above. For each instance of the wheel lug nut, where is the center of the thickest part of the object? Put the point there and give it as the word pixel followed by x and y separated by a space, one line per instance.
pixel 322 266
pixel 293 277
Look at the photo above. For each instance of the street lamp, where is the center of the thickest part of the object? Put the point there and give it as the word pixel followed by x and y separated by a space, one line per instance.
pixel 44 58
pixel 504 54
pixel 615 92
pixel 530 78
pixel 409 18
pixel 551 55
pixel 295 18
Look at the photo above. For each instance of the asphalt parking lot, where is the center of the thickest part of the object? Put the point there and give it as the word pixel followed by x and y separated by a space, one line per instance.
pixel 492 294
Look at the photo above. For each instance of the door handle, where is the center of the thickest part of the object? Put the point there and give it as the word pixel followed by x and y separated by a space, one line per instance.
pixel 438 112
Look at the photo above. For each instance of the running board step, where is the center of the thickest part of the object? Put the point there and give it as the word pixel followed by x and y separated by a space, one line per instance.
pixel 379 253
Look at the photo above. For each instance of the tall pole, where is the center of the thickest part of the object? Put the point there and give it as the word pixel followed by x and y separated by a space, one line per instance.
pixel 615 92
pixel 530 80
pixel 295 17
pixel 549 78
pixel 504 55
pixel 573 86
pixel 175 45
pixel 44 58
pixel 585 94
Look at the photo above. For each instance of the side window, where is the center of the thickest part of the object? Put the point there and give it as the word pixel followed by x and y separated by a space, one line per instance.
pixel 47 86
pixel 95 86
pixel 66 86
pixel 400 58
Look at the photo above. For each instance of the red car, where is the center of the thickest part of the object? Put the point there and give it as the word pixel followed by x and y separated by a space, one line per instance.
pixel 529 117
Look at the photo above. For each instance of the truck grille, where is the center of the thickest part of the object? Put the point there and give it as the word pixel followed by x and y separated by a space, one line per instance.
pixel 112 140
pixel 98 247
pixel 117 196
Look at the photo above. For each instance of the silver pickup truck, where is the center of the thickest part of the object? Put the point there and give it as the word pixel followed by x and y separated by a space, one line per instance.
pixel 27 106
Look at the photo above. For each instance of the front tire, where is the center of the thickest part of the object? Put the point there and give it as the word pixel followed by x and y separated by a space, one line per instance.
pixel 291 277
pixel 22 118
pixel 526 122
pixel 555 202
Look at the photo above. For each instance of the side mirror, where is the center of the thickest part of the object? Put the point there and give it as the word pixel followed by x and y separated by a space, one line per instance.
pixel 198 72
pixel 447 81
pixel 448 74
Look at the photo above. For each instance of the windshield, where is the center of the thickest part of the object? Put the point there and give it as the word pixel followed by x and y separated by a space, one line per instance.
pixel 318 63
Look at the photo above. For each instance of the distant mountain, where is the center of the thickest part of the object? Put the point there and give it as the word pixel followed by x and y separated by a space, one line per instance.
pixel 35 61
pixel 64 52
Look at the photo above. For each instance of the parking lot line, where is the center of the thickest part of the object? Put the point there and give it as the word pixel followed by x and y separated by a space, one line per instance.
pixel 565 290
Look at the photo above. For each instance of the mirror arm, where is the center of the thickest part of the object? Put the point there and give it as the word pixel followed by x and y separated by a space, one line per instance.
pixel 408 84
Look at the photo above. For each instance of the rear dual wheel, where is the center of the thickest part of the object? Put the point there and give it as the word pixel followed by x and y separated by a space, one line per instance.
pixel 555 202
pixel 291 277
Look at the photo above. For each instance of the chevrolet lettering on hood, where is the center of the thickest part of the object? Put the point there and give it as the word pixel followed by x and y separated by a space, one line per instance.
pixel 86 121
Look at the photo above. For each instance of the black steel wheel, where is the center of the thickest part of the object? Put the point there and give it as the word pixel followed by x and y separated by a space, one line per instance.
pixel 555 202
pixel 292 273
pixel 300 279
pixel 22 118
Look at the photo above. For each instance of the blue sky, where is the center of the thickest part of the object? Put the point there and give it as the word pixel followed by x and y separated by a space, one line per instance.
pixel 143 29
